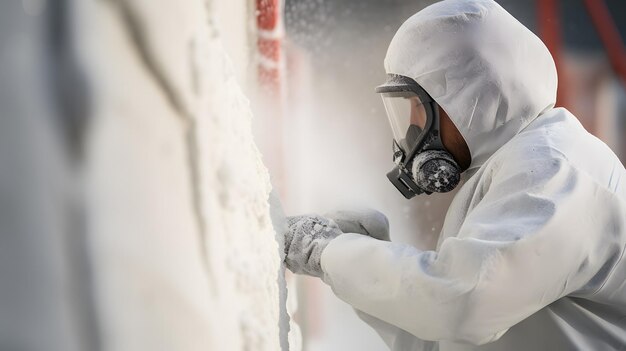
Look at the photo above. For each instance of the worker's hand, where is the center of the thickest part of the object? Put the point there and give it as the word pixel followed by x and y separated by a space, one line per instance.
pixel 364 221
pixel 305 240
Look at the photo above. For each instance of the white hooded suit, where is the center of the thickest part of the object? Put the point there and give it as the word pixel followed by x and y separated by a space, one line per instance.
pixel 530 255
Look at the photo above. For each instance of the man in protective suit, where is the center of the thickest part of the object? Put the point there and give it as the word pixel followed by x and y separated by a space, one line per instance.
pixel 530 256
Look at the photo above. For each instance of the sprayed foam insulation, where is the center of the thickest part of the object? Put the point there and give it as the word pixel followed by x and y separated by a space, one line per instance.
pixel 134 212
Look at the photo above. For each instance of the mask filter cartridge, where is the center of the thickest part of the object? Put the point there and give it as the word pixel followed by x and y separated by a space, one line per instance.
pixel 435 171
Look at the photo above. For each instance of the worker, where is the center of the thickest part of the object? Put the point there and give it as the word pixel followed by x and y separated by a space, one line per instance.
pixel 530 256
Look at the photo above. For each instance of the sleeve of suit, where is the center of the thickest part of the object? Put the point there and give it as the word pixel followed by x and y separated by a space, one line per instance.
pixel 538 234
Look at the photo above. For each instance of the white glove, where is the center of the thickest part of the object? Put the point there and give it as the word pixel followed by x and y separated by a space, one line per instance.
pixel 362 221
pixel 305 240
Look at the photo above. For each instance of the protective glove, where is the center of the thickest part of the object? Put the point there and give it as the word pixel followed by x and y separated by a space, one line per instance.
pixel 362 221
pixel 305 240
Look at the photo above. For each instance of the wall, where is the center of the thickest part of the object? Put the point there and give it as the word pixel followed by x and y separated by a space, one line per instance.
pixel 157 234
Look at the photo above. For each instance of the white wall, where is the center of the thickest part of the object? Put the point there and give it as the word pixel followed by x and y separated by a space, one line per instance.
pixel 179 252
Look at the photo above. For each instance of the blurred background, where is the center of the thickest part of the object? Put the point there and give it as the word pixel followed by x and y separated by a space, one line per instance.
pixel 133 206
pixel 330 147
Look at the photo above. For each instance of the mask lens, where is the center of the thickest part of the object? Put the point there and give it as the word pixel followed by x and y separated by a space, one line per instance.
pixel 407 116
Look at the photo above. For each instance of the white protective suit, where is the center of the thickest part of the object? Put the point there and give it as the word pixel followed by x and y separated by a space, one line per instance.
pixel 530 255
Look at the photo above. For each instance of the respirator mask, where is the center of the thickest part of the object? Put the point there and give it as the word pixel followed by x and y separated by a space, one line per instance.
pixel 422 163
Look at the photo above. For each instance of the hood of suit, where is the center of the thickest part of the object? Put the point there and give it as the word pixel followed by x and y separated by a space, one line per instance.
pixel 489 72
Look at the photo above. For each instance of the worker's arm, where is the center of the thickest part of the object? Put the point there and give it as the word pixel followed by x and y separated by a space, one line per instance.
pixel 396 338
pixel 536 235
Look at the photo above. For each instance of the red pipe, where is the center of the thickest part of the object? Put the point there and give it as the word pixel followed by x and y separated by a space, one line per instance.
pixel 609 35
pixel 269 44
pixel 549 25
pixel 272 85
